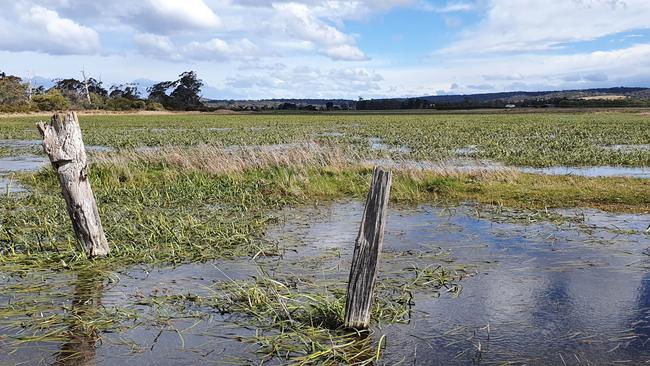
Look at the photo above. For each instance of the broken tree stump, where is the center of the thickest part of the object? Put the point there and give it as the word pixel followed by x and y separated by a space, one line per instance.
pixel 64 146
pixel 363 271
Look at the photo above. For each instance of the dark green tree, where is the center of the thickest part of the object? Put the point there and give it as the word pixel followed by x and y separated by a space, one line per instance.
pixel 184 96
pixel 187 92
pixel 96 87
pixel 72 89
pixel 128 91
pixel 13 92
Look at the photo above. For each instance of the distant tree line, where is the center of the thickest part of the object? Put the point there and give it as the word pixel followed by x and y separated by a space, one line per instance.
pixel 471 103
pixel 18 95
pixel 184 94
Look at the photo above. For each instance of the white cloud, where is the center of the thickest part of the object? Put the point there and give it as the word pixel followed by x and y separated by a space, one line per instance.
pixel 629 66
pixel 452 7
pixel 166 16
pixel 217 49
pixel 260 45
pixel 344 52
pixel 299 22
pixel 534 25
pixel 157 46
pixel 36 28
pixel 214 49
pixel 307 81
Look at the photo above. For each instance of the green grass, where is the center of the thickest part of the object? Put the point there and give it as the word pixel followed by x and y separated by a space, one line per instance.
pixel 542 139
pixel 161 214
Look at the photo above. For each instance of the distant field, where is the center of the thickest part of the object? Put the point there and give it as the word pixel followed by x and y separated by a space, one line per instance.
pixel 522 139
pixel 605 97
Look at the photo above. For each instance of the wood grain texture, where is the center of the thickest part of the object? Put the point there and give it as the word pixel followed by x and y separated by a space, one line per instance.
pixel 63 144
pixel 363 272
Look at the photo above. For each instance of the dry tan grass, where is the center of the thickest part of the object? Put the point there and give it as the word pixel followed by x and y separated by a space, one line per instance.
pixel 216 159
pixel 604 97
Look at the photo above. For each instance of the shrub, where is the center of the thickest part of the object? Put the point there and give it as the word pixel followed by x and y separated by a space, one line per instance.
pixel 124 104
pixel 51 101
pixel 154 106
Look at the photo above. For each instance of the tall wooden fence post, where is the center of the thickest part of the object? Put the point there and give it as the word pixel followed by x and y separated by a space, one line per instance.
pixel 363 271
pixel 64 146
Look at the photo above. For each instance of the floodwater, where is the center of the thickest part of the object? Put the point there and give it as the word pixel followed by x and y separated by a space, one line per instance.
pixel 467 150
pixel 573 292
pixel 377 143
pixel 469 165
pixel 593 171
pixel 9 165
pixel 630 148
pixel 36 144
pixel 21 163
pixel 9 185
pixel 578 291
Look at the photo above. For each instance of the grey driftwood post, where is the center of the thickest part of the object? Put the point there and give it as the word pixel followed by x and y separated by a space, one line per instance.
pixel 64 146
pixel 363 271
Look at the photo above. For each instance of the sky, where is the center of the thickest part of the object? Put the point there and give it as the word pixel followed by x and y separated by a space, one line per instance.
pixel 254 49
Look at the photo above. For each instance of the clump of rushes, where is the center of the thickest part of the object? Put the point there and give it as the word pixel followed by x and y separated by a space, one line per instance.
pixel 301 322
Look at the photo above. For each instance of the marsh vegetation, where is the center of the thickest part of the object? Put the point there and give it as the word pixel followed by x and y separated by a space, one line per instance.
pixel 231 237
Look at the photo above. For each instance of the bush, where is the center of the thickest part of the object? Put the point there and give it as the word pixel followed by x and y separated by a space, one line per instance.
pixel 97 101
pixel 16 108
pixel 124 104
pixel 51 101
pixel 154 106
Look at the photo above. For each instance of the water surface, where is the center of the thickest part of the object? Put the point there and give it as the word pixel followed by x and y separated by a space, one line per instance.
pixel 593 171
pixel 577 290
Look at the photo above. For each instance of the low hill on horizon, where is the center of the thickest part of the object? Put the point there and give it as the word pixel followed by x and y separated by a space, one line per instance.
pixel 614 95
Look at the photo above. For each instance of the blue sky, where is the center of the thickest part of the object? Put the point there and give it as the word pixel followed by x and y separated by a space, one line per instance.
pixel 331 48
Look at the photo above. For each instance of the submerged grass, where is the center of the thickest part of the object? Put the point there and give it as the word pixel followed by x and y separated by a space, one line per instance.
pixel 301 323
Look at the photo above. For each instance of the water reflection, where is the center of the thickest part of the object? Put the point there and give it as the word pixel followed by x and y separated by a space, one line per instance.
pixel 545 293
pixel 592 171
pixel 80 349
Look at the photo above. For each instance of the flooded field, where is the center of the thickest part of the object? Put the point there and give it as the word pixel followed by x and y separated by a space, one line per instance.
pixel 522 241
pixel 533 292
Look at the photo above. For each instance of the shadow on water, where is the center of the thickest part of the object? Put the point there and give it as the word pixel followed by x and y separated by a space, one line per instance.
pixel 80 349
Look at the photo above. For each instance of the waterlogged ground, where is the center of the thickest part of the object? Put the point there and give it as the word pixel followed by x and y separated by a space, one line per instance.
pixel 458 284
pixel 573 288
pixel 517 139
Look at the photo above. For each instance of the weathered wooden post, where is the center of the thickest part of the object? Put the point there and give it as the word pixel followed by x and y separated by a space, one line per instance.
pixel 363 271
pixel 64 146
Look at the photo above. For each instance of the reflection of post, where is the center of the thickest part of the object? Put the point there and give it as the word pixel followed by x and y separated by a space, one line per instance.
pixel 63 144
pixel 79 350
pixel 363 271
